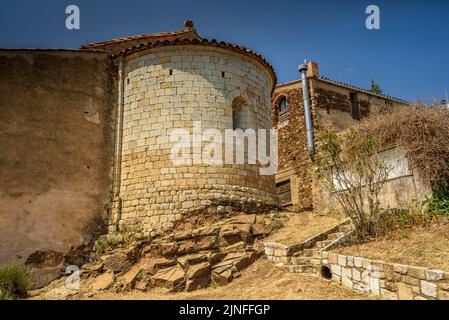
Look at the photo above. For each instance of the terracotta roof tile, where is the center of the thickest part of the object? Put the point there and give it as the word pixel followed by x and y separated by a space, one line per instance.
pixel 119 44
pixel 346 85
pixel 361 89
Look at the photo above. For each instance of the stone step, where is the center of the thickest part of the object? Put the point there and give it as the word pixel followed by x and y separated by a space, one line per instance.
pixel 314 252
pixel 308 252
pixel 335 236
pixel 298 268
pixel 300 260
pixel 323 244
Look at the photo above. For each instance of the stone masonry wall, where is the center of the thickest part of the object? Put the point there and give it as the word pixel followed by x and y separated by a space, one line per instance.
pixel 292 148
pixel 390 281
pixel 330 111
pixel 168 88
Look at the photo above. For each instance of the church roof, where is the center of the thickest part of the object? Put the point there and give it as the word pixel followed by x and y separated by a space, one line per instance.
pixel 116 45
pixel 186 36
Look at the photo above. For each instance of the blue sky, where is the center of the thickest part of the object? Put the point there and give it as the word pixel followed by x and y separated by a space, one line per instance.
pixel 407 57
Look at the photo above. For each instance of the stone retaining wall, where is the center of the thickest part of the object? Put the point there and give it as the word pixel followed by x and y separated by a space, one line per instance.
pixel 389 281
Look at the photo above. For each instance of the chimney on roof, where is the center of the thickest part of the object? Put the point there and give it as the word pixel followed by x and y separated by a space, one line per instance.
pixel 188 24
pixel 312 69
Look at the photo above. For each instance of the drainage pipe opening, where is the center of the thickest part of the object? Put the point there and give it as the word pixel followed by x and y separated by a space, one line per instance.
pixel 326 272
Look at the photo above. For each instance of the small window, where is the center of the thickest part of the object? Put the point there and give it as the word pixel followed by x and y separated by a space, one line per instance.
pixel 355 106
pixel 284 193
pixel 282 107
pixel 238 113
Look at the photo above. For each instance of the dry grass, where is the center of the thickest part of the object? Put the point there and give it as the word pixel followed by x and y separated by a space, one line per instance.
pixel 422 131
pixel 262 281
pixel 302 226
pixel 426 247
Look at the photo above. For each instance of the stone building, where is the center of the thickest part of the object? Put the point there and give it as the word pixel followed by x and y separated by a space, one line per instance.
pixel 168 85
pixel 86 137
pixel 334 106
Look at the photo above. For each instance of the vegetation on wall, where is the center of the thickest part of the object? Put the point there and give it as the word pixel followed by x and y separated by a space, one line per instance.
pixel 351 168
pixel 15 280
pixel 424 134
pixel 438 205
pixel 375 88
pixel 353 172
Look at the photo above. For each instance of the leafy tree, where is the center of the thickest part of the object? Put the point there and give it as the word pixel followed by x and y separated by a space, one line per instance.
pixel 375 88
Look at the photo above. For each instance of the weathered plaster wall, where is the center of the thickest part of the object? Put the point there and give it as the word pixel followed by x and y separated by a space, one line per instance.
pixel 56 138
pixel 399 191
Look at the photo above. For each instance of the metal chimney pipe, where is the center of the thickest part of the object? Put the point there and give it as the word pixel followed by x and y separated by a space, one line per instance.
pixel 308 115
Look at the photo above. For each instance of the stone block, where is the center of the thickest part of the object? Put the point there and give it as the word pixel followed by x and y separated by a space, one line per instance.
pixel 417 273
pixel 347 283
pixel 429 289
pixel 172 278
pixel 336 269
pixel 433 275
pixel 347 273
pixel 358 262
pixel 411 281
pixel 350 261
pixel 201 270
pixel 388 295
pixel 333 258
pixel 356 275
pixel 405 292
pixel 341 260
pixel 400 268
pixel 360 287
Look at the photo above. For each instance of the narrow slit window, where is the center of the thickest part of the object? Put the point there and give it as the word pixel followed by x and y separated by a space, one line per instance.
pixel 283 109
pixel 355 106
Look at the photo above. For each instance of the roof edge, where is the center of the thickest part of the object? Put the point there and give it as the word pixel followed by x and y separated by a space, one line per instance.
pixel 345 85
pixel 203 41
pixel 53 50
pixel 141 37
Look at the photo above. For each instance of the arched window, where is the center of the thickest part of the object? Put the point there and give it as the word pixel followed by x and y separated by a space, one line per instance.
pixel 283 109
pixel 238 113
pixel 283 105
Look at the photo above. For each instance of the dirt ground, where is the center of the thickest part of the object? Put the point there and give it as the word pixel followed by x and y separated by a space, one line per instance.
pixel 302 226
pixel 261 281
pixel 425 247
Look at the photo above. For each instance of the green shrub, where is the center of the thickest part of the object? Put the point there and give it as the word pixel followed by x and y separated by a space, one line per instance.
pixel 15 280
pixel 438 205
